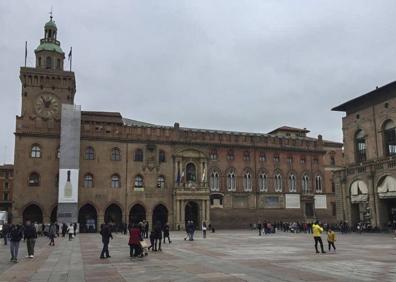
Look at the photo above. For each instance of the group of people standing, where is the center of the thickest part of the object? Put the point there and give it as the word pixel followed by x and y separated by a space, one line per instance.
pixel 14 233
pixel 137 233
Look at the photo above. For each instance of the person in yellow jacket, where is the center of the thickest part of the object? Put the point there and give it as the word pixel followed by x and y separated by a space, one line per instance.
pixel 331 238
pixel 317 231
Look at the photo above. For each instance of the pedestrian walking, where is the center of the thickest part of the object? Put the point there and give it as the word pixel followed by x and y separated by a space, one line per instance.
pixel 6 229
pixel 331 238
pixel 135 237
pixel 75 229
pixel 51 234
pixel 166 230
pixel 16 234
pixel 30 235
pixel 157 237
pixel 259 227
pixel 204 229
pixel 187 230
pixel 317 231
pixel 70 231
pixel 64 229
pixel 146 229
pixel 106 236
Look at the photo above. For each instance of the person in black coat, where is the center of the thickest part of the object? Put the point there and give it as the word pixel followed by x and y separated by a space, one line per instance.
pixel 16 234
pixel 30 235
pixel 157 236
pixel 166 233
pixel 6 228
pixel 106 235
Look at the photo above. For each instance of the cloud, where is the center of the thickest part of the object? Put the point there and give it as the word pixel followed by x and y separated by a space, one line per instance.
pixel 232 65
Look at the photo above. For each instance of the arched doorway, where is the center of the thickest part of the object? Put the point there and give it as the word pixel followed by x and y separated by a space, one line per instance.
pixel 32 213
pixel 54 214
pixel 87 218
pixel 137 214
pixel 160 214
pixel 191 212
pixel 113 216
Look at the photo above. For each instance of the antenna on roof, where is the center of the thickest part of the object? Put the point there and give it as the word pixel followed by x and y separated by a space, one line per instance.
pixel 50 14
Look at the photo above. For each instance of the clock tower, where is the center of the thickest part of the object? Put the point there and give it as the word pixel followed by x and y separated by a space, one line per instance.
pixel 47 86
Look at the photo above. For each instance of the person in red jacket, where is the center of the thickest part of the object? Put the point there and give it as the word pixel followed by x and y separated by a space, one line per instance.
pixel 134 241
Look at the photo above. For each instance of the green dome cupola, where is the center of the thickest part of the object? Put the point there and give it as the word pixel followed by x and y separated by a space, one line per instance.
pixel 49 54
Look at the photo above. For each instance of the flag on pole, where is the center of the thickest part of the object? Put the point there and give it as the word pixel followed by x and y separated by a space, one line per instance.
pixel 25 52
pixel 182 176
pixel 70 56
pixel 203 179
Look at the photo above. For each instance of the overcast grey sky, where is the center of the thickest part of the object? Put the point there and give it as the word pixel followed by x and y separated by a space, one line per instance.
pixel 216 64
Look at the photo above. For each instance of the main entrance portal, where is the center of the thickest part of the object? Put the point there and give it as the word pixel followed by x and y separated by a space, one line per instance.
pixel 160 215
pixel 137 214
pixel 191 212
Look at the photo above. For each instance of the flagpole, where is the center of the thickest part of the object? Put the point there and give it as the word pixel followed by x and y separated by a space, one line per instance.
pixel 25 52
pixel 71 58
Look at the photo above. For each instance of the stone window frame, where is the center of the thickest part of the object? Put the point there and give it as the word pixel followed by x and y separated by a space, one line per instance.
pixel 161 156
pixel 360 146
pixel 389 137
pixel 88 181
pixel 262 157
pixel 230 155
pixel 214 181
pixel 305 183
pixel 278 182
pixel 115 181
pixel 138 155
pixel 213 154
pixel 35 151
pixel 89 153
pixel 231 180
pixel 263 182
pixel 138 181
pixel 318 184
pixel 161 181
pixel 292 183
pixel 34 179
pixel 115 154
pixel 246 155
pixel 247 181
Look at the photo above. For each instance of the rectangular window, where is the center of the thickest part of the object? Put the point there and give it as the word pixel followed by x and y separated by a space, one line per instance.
pixel 5 196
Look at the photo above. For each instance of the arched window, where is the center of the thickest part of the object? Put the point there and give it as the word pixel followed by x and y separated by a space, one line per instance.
pixel 58 64
pixel 161 182
pixel 138 155
pixel 247 181
pixel 214 181
pixel 115 154
pixel 139 181
pixel 360 142
pixel 390 138
pixel 263 182
pixel 318 184
pixel 292 183
pixel 262 157
pixel 88 180
pixel 246 156
pixel 305 184
pixel 161 156
pixel 36 151
pixel 115 181
pixel 48 63
pixel 39 61
pixel 278 182
pixel 231 181
pixel 34 179
pixel 89 153
pixel 230 155
pixel 191 172
pixel 213 154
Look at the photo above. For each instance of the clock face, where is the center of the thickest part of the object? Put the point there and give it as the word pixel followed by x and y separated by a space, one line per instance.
pixel 46 105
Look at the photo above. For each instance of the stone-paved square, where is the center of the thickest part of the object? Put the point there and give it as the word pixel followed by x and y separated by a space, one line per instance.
pixel 224 256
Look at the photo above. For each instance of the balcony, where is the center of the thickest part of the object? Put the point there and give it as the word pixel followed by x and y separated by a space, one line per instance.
pixel 365 167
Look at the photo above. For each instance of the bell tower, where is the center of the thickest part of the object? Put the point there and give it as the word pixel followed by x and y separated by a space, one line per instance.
pixel 49 54
pixel 47 86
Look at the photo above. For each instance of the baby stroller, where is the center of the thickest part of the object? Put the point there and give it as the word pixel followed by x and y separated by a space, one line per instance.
pixel 144 245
